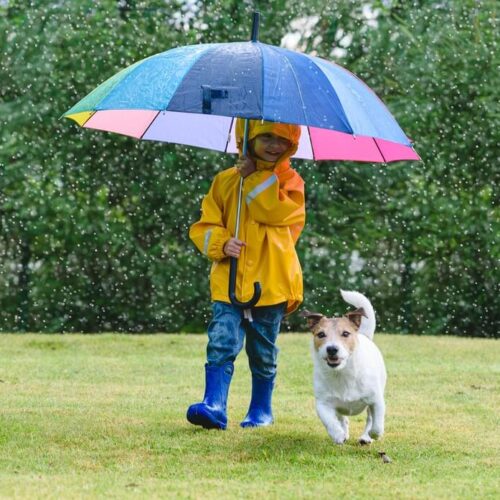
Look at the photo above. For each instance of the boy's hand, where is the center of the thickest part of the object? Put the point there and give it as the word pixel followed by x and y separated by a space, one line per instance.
pixel 232 247
pixel 245 166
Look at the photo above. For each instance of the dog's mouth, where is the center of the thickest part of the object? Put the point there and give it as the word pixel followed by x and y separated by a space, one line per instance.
pixel 333 361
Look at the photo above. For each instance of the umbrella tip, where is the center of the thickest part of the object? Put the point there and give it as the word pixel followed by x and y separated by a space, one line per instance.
pixel 255 26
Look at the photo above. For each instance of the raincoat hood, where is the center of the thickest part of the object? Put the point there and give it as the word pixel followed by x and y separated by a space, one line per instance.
pixel 257 127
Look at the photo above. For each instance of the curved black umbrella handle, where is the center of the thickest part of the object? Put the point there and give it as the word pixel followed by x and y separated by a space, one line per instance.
pixel 233 266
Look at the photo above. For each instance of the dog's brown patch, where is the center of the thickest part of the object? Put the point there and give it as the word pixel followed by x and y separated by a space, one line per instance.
pixel 311 317
pixel 322 331
pixel 335 330
pixel 355 316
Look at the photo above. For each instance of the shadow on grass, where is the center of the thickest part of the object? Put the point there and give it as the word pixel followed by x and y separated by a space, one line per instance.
pixel 273 445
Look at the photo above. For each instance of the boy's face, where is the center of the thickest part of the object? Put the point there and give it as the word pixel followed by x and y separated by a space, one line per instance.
pixel 269 146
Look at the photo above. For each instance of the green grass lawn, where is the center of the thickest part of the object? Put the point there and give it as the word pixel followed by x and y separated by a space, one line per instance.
pixel 85 416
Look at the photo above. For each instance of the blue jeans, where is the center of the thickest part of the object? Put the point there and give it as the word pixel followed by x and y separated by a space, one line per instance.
pixel 229 329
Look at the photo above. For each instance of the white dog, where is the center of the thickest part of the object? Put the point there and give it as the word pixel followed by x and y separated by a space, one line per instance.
pixel 349 370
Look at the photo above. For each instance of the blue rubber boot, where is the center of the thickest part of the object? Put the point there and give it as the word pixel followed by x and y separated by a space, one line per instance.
pixel 260 412
pixel 211 412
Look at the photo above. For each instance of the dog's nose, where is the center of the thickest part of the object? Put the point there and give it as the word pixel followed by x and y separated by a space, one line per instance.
pixel 332 350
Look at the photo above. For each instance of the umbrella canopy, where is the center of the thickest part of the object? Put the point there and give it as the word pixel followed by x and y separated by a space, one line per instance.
pixel 191 95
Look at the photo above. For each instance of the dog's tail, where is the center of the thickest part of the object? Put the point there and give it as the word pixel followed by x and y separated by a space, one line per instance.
pixel 358 300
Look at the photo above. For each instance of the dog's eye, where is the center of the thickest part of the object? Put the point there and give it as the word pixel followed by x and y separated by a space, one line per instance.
pixel 346 334
pixel 321 335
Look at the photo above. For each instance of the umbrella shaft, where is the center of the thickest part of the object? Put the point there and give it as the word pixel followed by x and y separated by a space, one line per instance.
pixel 240 194
pixel 245 138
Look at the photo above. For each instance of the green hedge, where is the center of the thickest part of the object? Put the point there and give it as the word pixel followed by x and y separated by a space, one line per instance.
pixel 94 226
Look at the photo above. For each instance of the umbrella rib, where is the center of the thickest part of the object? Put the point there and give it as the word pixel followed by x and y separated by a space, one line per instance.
pixel 297 84
pixel 135 67
pixel 311 142
pixel 83 124
pixel 347 122
pixel 210 46
pixel 150 123
pixel 341 68
pixel 261 77
pixel 379 150
pixel 229 134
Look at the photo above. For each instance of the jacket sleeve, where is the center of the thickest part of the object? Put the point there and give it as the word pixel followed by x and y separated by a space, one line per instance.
pixel 209 234
pixel 274 202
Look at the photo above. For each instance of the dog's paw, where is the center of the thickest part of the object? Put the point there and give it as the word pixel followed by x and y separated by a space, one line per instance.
pixel 339 438
pixel 365 439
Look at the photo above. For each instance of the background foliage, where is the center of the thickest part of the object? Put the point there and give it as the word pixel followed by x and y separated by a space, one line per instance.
pixel 93 226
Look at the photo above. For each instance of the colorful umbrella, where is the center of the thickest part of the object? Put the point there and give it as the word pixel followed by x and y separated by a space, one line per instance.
pixel 193 94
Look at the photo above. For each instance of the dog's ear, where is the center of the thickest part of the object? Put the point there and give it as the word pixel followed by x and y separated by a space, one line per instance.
pixel 312 318
pixel 355 316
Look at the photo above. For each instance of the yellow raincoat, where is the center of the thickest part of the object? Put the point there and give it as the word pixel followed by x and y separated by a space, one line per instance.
pixel 272 218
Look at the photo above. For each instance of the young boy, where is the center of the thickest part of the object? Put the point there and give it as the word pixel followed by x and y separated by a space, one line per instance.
pixel 271 220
